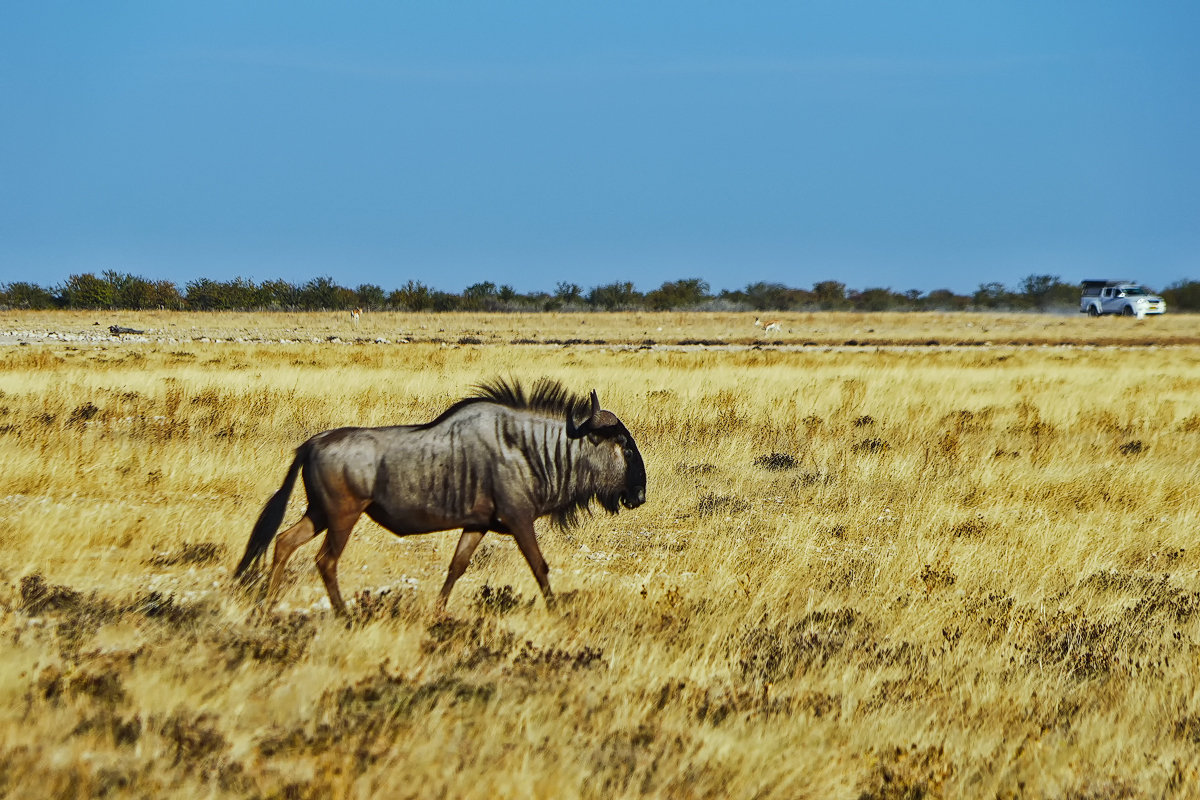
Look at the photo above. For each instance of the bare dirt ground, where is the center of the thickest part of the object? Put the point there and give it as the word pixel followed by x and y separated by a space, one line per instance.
pixel 689 329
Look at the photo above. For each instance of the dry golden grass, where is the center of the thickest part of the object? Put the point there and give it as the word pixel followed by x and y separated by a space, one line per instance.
pixel 964 573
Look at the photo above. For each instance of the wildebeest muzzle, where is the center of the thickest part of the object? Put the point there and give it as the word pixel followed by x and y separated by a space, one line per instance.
pixel 635 476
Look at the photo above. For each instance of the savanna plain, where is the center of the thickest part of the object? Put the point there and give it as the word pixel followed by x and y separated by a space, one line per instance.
pixel 862 572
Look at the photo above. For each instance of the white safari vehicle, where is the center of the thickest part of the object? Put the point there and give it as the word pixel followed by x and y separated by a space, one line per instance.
pixel 1119 297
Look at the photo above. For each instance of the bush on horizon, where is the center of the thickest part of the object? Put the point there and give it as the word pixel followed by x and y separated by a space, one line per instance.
pixel 115 290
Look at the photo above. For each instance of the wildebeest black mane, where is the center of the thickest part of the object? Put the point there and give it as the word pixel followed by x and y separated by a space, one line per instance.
pixel 547 395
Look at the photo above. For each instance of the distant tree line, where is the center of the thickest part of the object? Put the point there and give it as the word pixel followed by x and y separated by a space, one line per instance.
pixel 116 290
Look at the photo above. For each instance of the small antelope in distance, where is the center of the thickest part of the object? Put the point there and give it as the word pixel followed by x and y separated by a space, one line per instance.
pixel 769 325
pixel 495 461
pixel 355 313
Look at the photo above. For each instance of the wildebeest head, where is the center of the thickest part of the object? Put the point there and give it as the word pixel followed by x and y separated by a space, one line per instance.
pixel 605 431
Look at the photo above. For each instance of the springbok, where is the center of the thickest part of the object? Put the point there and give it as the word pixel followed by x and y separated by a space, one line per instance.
pixel 355 313
pixel 769 325
pixel 493 462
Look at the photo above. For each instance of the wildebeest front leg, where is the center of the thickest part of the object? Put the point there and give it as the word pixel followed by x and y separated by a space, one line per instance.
pixel 527 541
pixel 467 543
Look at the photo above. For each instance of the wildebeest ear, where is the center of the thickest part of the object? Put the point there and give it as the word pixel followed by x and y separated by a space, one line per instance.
pixel 595 408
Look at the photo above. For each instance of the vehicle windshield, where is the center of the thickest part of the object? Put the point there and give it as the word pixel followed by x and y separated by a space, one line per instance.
pixel 1133 291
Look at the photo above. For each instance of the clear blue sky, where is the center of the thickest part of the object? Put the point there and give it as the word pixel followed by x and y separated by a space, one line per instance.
pixel 910 145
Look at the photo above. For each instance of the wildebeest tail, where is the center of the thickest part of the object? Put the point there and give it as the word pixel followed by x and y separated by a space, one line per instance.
pixel 271 516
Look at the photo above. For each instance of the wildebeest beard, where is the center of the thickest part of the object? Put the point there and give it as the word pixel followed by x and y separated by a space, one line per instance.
pixel 569 515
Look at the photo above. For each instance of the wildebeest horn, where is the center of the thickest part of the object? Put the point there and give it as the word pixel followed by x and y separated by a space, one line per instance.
pixel 574 432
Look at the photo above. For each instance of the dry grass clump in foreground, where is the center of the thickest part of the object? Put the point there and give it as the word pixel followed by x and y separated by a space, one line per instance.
pixel 866 575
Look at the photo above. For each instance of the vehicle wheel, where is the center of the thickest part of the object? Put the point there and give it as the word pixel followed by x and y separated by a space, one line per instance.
pixel 1092 312
pixel 1127 311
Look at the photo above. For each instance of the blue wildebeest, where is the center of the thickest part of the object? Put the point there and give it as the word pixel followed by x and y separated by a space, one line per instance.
pixel 496 461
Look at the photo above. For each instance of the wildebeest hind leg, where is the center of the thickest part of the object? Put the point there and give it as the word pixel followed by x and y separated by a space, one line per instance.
pixel 527 541
pixel 467 543
pixel 340 526
pixel 287 543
